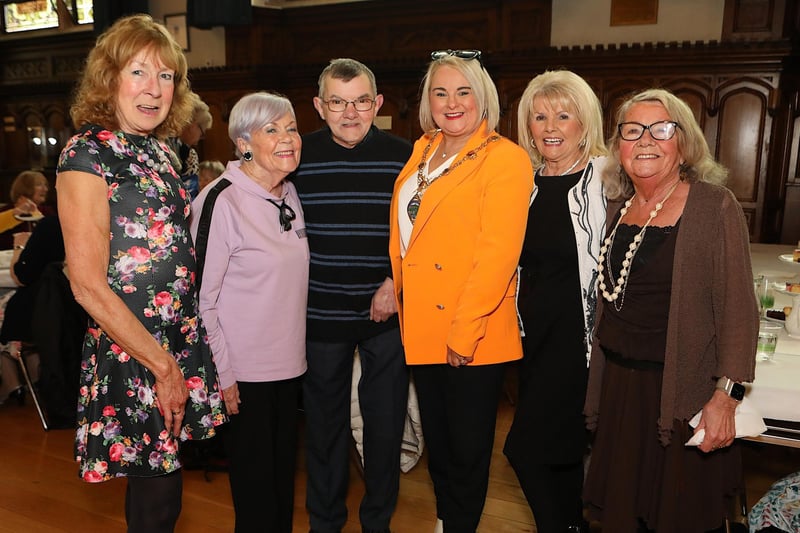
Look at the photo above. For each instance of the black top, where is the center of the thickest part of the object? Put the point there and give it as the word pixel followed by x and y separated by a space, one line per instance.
pixel 548 426
pixel 45 246
pixel 642 318
pixel 346 195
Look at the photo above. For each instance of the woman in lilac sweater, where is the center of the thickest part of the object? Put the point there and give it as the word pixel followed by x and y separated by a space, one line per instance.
pixel 253 303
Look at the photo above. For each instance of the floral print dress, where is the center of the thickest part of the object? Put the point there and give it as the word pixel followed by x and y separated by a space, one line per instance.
pixel 121 431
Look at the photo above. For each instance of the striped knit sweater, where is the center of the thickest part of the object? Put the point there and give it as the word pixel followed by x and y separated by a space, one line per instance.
pixel 346 194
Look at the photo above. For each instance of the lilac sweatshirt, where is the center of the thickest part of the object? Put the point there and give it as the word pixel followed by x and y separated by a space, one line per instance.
pixel 255 282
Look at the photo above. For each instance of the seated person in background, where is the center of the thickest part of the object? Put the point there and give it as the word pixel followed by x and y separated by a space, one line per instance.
pixel 187 164
pixel 32 253
pixel 209 171
pixel 28 194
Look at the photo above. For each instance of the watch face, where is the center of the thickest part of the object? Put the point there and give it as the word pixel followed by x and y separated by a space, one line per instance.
pixel 737 392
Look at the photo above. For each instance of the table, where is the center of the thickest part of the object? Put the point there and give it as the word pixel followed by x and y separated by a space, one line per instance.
pixel 5 279
pixel 776 389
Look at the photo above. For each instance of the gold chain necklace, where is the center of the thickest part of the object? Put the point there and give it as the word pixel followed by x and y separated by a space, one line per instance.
pixel 422 179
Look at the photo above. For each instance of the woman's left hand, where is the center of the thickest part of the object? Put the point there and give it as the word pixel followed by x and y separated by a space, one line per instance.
pixel 456 360
pixel 718 421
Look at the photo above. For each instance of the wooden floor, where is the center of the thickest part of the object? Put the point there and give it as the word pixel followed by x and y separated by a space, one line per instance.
pixel 40 490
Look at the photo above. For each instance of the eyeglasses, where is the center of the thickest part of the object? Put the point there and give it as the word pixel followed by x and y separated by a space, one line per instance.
pixel 285 214
pixel 461 54
pixel 662 130
pixel 337 105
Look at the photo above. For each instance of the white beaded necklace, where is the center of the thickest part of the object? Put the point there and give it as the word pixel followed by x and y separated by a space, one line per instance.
pixel 617 295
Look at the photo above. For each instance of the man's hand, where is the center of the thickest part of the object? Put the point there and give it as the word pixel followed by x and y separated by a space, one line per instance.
pixel 383 303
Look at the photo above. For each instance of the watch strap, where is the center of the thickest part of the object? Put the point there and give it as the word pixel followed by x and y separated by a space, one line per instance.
pixel 732 388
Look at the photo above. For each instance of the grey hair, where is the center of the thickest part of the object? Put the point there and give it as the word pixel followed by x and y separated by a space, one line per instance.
pixel 346 69
pixel 479 80
pixel 698 163
pixel 254 111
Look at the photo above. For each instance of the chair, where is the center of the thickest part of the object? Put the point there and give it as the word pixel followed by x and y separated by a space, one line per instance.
pixel 20 359
pixel 58 325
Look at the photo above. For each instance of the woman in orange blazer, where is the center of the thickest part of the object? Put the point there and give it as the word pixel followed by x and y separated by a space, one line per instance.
pixel 458 219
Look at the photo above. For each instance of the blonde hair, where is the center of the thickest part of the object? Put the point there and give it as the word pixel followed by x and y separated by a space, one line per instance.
pixel 698 164
pixel 25 184
pixel 562 88
pixel 95 99
pixel 479 80
pixel 200 113
pixel 216 167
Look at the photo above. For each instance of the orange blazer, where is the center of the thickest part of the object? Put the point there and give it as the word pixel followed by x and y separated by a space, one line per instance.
pixel 456 285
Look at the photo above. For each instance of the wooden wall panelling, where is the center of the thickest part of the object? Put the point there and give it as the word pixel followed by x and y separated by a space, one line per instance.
pixel 756 19
pixel 746 106
pixel 787 227
pixel 386 29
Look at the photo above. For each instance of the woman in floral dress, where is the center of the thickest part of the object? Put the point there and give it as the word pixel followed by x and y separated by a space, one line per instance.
pixel 148 379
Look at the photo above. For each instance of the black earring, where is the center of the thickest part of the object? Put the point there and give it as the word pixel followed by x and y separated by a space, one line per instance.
pixel 247 156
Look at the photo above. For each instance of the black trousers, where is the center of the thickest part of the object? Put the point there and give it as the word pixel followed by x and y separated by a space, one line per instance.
pixel 261 442
pixel 153 504
pixel 458 407
pixel 553 493
pixel 383 398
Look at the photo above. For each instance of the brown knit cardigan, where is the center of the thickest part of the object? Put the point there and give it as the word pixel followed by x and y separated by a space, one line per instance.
pixel 712 326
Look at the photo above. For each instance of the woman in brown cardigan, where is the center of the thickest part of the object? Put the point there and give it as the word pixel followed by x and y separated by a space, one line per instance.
pixel 677 328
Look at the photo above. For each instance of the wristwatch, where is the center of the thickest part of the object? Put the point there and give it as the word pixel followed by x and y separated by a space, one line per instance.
pixel 731 388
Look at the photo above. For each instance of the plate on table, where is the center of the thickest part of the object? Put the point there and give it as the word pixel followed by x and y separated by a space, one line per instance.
pixel 781 288
pixel 769 323
pixel 787 258
pixel 33 217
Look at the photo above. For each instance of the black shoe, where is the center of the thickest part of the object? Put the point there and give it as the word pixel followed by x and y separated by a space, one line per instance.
pixel 18 394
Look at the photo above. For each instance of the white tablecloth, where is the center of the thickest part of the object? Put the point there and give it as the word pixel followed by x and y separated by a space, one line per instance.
pixel 776 389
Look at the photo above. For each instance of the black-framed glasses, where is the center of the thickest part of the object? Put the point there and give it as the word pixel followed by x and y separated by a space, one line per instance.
pixel 663 130
pixel 285 214
pixel 338 105
pixel 461 54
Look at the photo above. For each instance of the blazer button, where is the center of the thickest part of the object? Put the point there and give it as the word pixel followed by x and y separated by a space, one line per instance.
pixel 437 266
pixel 439 307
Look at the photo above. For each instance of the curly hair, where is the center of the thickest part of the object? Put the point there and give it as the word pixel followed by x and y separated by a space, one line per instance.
pixel 698 165
pixel 95 100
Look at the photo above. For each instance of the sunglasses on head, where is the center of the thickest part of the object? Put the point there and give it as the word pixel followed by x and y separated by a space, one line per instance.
pixel 461 54
pixel 285 214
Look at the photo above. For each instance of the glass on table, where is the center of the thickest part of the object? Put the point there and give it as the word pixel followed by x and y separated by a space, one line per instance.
pixel 767 341
pixel 764 294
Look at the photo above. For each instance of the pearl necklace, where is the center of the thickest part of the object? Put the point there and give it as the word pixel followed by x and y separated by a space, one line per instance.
pixel 144 153
pixel 422 178
pixel 617 296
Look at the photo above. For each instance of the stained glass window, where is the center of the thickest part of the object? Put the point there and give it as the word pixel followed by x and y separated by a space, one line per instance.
pixel 81 11
pixel 31 15
pixel 42 14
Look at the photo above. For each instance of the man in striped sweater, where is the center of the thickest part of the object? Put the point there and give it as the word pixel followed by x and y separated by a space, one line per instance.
pixel 345 179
